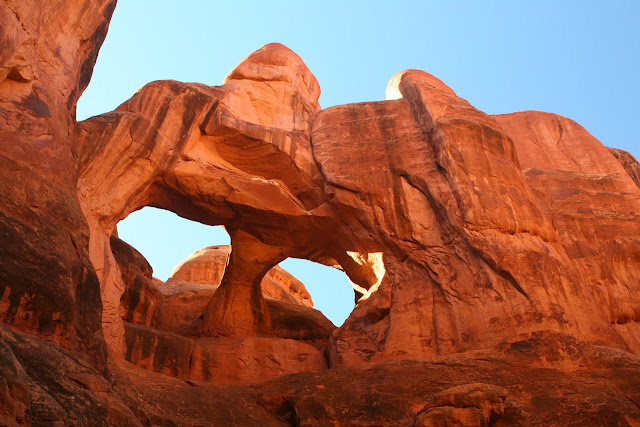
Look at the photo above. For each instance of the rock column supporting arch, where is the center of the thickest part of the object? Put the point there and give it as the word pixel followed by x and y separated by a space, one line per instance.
pixel 228 313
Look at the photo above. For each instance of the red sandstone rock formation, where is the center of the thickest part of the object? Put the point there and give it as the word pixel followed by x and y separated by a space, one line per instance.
pixel 496 258
pixel 164 328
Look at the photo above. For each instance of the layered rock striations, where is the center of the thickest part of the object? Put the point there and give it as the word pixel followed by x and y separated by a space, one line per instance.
pixel 495 259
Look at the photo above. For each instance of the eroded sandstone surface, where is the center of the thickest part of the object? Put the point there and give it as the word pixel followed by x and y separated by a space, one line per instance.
pixel 495 260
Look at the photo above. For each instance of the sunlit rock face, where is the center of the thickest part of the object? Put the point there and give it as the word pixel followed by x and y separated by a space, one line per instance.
pixel 473 249
pixel 483 250
pixel 476 251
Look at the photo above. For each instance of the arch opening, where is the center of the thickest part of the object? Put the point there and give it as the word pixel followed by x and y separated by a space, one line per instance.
pixel 165 239
pixel 330 288
pixel 166 318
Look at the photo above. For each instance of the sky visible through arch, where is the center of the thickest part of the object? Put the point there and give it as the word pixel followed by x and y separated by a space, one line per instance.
pixel 165 240
pixel 579 59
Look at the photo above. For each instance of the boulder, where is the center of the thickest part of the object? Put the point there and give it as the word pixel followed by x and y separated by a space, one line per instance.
pixel 475 404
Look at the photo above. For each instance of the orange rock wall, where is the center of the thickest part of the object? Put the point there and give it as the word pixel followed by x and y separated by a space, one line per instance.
pixel 48 286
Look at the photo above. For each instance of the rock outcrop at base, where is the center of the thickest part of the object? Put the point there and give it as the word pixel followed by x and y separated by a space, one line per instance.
pixel 496 259
pixel 164 328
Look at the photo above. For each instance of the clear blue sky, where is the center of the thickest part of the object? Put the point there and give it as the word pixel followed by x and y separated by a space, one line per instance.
pixel 580 59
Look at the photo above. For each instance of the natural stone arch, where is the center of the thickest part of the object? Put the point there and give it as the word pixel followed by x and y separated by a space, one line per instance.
pixel 410 185
pixel 192 149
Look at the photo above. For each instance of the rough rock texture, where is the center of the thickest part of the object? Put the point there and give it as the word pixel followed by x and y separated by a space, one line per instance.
pixel 51 386
pixel 467 405
pixel 550 379
pixel 629 163
pixel 48 285
pixel 495 250
pixel 141 301
pixel 248 360
pixel 594 208
pixel 481 238
pixel 14 388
